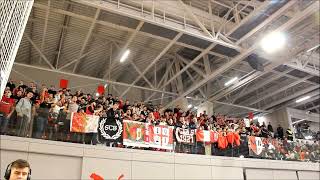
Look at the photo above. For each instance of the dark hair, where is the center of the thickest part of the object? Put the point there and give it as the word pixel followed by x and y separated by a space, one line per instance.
pixel 20 163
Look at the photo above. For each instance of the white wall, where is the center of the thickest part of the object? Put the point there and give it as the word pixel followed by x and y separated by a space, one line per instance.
pixel 60 160
pixel 278 117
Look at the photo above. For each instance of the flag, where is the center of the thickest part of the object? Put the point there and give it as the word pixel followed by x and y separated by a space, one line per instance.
pixel 64 83
pixel 84 123
pixel 185 135
pixel 100 89
pixel 255 145
pixel 135 134
pixel 206 136
pixel 161 137
pixel 110 129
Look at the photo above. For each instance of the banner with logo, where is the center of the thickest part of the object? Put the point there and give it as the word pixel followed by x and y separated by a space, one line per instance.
pixel 84 123
pixel 110 130
pixel 135 134
pixel 267 148
pixel 161 137
pixel 185 135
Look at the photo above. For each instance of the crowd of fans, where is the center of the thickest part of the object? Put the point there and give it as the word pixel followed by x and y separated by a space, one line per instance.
pixel 28 110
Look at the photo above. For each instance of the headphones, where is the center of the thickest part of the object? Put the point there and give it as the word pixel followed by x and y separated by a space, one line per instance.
pixel 8 172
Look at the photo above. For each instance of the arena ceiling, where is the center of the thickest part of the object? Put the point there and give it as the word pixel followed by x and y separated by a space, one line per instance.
pixel 183 48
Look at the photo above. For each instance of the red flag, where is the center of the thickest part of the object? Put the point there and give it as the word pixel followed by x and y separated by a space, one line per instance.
pixel 64 83
pixel 250 115
pixel 100 89
pixel 206 136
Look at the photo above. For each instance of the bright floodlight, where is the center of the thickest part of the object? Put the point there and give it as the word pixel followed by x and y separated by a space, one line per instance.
pixel 273 42
pixel 231 81
pixel 190 106
pixel 125 55
pixel 97 94
pixel 302 99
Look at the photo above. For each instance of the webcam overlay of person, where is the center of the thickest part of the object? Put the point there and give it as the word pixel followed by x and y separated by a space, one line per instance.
pixel 18 170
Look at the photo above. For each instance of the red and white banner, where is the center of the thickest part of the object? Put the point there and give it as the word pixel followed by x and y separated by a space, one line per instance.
pixel 207 136
pixel 84 123
pixel 161 137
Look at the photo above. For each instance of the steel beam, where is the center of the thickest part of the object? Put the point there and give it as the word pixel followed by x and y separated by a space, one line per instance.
pixel 39 51
pixel 283 88
pixel 313 70
pixel 314 107
pixel 268 20
pixel 240 106
pixel 297 18
pixel 116 26
pixel 204 29
pixel 154 61
pixel 95 79
pixel 126 45
pixel 196 69
pixel 93 23
pixel 295 95
pixel 190 64
pixel 82 56
pixel 45 29
pixel 263 83
pixel 131 13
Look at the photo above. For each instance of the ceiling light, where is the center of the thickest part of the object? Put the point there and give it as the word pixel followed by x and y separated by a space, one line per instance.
pixel 190 106
pixel 125 55
pixel 97 94
pixel 231 81
pixel 308 137
pixel 302 99
pixel 273 42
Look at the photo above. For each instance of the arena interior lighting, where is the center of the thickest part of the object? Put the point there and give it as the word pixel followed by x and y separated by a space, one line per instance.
pixel 303 99
pixel 231 81
pixel 273 42
pixel 125 55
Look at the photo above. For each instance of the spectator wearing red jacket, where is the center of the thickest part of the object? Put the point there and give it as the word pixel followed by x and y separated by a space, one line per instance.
pixel 156 114
pixel 6 110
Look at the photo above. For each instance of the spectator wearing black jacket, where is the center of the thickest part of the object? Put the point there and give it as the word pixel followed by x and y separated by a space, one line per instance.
pixel 280 132
pixel 42 121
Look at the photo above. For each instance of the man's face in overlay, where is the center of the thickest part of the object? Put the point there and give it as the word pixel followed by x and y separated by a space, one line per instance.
pixel 19 173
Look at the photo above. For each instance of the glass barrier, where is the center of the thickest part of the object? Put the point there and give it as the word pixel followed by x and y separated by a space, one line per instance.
pixel 95 130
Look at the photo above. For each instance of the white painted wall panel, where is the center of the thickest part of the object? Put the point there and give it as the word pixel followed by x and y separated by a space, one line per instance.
pixel 284 175
pixel 148 170
pixel 256 174
pixel 220 173
pixel 309 175
pixel 184 171
pixel 47 166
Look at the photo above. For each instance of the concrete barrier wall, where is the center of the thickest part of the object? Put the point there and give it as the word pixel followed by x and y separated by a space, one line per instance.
pixel 59 160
